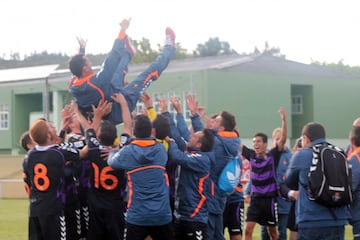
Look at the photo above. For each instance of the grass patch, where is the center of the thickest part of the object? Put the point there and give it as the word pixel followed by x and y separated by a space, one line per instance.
pixel 14 221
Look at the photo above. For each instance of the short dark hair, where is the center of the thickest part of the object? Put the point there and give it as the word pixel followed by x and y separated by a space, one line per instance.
pixel 355 135
pixel 313 131
pixel 25 140
pixel 207 141
pixel 228 121
pixel 162 126
pixel 262 135
pixel 142 126
pixel 76 64
pixel 107 133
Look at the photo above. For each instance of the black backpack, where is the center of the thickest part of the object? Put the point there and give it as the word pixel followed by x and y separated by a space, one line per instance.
pixel 329 177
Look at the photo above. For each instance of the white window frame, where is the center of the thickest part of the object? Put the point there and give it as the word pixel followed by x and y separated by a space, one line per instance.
pixel 4 117
pixel 182 96
pixel 297 104
pixel 186 110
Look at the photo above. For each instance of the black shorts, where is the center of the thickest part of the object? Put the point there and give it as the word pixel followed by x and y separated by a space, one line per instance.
pixel 106 224
pixel 262 211
pixel 47 227
pixel 73 221
pixel 291 224
pixel 184 230
pixel 136 232
pixel 233 218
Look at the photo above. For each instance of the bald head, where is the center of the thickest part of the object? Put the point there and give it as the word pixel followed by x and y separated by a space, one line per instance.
pixel 356 123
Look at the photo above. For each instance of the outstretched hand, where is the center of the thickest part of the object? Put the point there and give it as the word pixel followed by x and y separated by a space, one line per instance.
pixel 192 103
pixel 147 100
pixel 119 98
pixel 163 105
pixel 282 113
pixel 102 109
pixel 65 117
pixel 82 42
pixel 125 24
pixel 175 103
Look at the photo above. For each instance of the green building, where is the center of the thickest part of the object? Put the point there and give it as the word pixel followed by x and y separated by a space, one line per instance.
pixel 253 88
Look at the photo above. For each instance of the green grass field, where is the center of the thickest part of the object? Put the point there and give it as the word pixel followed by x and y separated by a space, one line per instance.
pixel 14 212
pixel 14 215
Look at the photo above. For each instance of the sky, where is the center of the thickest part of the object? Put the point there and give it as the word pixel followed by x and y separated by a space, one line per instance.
pixel 304 30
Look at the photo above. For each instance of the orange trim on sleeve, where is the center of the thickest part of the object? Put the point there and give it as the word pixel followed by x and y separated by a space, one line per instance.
pixel 130 185
pixel 202 198
pixel 238 189
pixel 167 179
pixel 212 188
pixel 121 35
pixel 130 189
pixel 150 76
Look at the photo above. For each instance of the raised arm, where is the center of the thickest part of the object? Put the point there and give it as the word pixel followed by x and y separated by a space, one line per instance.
pixel 82 45
pixel 192 104
pixel 83 121
pixel 124 25
pixel 120 99
pixel 148 103
pixel 100 111
pixel 282 140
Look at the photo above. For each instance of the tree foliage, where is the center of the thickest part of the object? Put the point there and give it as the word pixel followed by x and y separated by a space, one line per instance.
pixel 146 53
pixel 213 47
pixel 339 66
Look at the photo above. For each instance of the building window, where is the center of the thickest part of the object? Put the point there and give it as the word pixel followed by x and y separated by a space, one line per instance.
pixel 186 110
pixel 297 104
pixel 4 117
pixel 167 95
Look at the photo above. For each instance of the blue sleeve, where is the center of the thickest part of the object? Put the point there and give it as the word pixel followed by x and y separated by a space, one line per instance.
pixel 116 159
pixel 190 161
pixel 292 174
pixel 196 123
pixel 110 65
pixel 182 127
pixel 355 171
pixel 247 190
pixel 82 50
pixel 174 132
pixel 281 171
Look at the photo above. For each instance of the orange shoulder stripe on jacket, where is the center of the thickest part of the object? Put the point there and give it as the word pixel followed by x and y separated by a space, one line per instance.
pixel 144 143
pixel 355 153
pixel 79 81
pixel 100 91
pixel 228 134
pixel 130 185
pixel 146 167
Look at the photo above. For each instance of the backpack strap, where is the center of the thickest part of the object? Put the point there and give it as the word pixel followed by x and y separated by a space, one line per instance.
pixel 224 145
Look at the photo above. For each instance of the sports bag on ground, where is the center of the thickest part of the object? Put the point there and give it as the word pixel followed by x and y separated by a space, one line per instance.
pixel 329 176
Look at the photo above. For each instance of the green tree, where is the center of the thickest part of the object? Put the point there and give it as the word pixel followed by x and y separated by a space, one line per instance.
pixel 213 47
pixel 271 51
